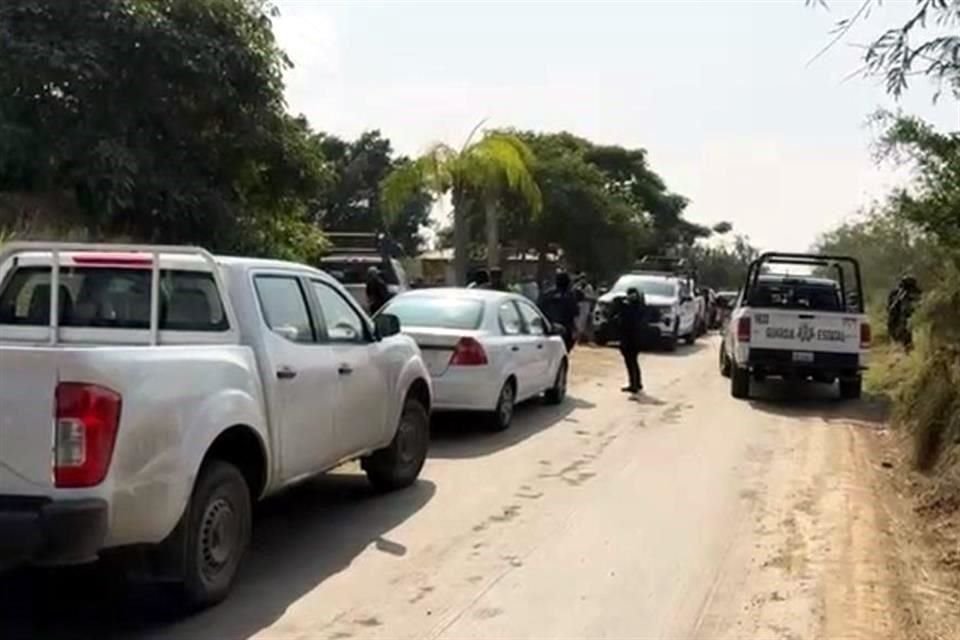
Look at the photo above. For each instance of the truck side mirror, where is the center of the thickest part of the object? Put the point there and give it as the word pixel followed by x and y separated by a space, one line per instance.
pixel 387 325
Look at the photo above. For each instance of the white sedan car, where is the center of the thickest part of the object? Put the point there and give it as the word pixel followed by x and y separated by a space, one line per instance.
pixel 485 350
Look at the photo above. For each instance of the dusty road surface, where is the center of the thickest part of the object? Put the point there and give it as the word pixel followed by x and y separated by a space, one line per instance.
pixel 685 514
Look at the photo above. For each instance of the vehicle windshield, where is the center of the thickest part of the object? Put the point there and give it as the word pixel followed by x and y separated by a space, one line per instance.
pixel 436 311
pixel 646 285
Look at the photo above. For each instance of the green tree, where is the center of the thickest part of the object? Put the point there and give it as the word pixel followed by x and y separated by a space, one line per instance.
pixel 902 51
pixel 583 213
pixel 164 120
pixel 477 174
pixel 724 266
pixel 352 201
pixel 632 179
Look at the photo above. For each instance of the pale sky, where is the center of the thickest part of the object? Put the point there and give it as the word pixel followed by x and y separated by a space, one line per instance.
pixel 719 93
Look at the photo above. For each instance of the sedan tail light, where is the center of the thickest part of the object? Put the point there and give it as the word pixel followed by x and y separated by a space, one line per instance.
pixel 866 335
pixel 87 417
pixel 743 329
pixel 468 353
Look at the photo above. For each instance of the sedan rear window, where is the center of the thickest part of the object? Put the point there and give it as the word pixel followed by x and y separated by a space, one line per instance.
pixel 113 298
pixel 434 311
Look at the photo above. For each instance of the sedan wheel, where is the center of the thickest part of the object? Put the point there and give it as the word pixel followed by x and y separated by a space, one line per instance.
pixel 502 416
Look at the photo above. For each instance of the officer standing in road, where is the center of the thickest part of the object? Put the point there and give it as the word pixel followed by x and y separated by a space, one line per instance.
pixel 630 323
pixel 377 291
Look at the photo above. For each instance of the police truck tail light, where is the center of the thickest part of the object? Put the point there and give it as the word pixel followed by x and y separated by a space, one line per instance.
pixel 87 417
pixel 468 353
pixel 866 335
pixel 743 329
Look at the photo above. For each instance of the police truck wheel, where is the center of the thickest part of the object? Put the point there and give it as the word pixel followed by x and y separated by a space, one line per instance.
pixel 851 388
pixel 739 382
pixel 724 363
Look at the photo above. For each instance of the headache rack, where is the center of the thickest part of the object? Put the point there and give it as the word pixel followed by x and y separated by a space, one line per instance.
pixel 816 261
pixel 360 244
pixel 665 266
pixel 111 256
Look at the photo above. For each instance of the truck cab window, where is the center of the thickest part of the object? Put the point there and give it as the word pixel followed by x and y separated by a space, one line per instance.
pixel 285 307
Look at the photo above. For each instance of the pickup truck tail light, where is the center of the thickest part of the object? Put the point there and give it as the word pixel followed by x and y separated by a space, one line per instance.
pixel 87 417
pixel 866 335
pixel 468 353
pixel 743 329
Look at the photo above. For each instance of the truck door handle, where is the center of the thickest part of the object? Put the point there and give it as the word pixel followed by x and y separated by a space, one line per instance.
pixel 345 370
pixel 286 373
pixel 540 346
pixel 514 348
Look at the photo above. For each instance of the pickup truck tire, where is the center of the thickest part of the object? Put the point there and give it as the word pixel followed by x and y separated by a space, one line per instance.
pixel 502 416
pixel 670 342
pixel 397 465
pixel 218 534
pixel 558 391
pixel 851 388
pixel 724 362
pixel 739 382
pixel 691 337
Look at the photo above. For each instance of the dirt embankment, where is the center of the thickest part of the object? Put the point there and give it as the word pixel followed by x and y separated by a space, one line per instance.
pixel 923 516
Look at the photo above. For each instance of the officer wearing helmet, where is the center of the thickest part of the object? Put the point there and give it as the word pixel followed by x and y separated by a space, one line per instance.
pixel 901 303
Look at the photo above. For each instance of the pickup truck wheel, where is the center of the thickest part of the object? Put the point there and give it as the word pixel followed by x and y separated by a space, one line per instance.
pixel 397 465
pixel 558 392
pixel 218 534
pixel 851 388
pixel 739 382
pixel 670 342
pixel 724 363
pixel 502 416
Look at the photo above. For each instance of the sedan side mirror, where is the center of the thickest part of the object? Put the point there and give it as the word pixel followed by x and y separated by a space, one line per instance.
pixel 387 325
pixel 557 329
pixel 686 299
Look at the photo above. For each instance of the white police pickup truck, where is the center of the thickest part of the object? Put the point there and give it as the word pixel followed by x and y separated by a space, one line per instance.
pixel 149 395
pixel 798 326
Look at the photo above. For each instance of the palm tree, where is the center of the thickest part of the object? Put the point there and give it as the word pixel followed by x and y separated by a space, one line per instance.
pixel 475 175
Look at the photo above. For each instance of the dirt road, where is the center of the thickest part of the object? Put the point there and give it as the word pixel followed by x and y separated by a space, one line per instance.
pixel 685 514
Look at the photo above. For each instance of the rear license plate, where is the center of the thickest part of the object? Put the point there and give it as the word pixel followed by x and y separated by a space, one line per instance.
pixel 802 356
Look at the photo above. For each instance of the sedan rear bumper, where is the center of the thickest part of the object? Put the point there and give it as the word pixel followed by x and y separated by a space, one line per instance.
pixel 461 390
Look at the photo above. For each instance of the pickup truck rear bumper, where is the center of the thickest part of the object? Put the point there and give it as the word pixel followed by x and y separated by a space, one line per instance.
pixel 784 362
pixel 43 531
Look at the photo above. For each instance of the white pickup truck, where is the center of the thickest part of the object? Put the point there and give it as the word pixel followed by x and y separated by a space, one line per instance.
pixel 798 327
pixel 148 395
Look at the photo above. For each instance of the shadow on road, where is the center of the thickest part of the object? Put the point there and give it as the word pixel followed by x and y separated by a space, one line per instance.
pixel 813 400
pixel 683 349
pixel 463 435
pixel 301 538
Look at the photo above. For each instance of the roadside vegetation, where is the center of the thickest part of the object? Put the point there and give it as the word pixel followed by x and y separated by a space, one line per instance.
pixel 916 230
pixel 164 121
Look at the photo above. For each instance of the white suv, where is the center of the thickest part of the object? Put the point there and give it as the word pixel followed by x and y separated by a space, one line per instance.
pixel 670 304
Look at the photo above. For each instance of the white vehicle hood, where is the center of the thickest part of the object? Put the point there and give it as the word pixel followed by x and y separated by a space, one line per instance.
pixel 650 299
